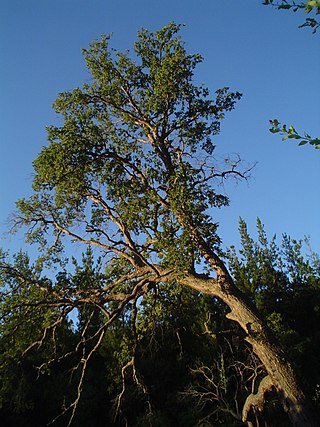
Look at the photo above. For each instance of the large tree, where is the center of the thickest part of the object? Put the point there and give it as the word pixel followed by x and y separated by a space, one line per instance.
pixel 131 172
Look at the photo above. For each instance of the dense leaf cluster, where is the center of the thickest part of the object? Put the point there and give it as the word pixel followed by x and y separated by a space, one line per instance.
pixel 134 151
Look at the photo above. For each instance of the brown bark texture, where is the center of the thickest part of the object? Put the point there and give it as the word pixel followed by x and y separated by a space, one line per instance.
pixel 280 373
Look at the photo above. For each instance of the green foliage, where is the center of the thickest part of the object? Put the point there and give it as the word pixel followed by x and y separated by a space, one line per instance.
pixel 186 355
pixel 285 286
pixel 307 7
pixel 131 172
pixel 33 332
pixel 41 347
pixel 134 152
pixel 289 132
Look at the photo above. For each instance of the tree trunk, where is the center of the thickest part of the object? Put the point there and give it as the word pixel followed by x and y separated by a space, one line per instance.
pixel 280 373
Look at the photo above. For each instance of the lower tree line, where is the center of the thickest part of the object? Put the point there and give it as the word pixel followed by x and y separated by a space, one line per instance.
pixel 169 357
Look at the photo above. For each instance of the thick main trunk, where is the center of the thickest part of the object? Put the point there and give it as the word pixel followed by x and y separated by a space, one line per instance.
pixel 264 345
pixel 280 373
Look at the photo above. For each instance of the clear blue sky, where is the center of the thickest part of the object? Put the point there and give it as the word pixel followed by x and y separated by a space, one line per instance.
pixel 247 46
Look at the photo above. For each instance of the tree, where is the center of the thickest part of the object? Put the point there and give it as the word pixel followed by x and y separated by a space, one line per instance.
pixel 131 172
pixel 33 336
pixel 284 284
pixel 43 351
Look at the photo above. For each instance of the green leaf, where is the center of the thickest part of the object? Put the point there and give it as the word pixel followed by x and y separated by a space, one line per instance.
pixel 285 6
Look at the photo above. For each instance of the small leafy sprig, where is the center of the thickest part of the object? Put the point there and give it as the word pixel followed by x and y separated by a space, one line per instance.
pixel 290 132
pixel 309 6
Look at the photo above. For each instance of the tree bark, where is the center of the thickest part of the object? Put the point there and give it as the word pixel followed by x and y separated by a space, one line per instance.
pixel 280 372
pixel 256 400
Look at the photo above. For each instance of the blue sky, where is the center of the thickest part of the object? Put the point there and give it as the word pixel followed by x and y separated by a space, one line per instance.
pixel 247 46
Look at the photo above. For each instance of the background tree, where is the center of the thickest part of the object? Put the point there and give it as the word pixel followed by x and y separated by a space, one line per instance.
pixel 131 171
pixel 34 334
pixel 191 365
pixel 284 284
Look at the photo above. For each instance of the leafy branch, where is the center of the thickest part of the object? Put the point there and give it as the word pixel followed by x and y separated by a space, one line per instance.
pixel 308 7
pixel 290 132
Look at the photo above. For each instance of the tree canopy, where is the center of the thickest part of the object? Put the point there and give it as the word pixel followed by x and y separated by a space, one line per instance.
pixel 135 149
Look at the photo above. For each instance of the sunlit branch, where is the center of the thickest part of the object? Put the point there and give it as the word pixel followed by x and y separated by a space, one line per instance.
pixel 92 242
